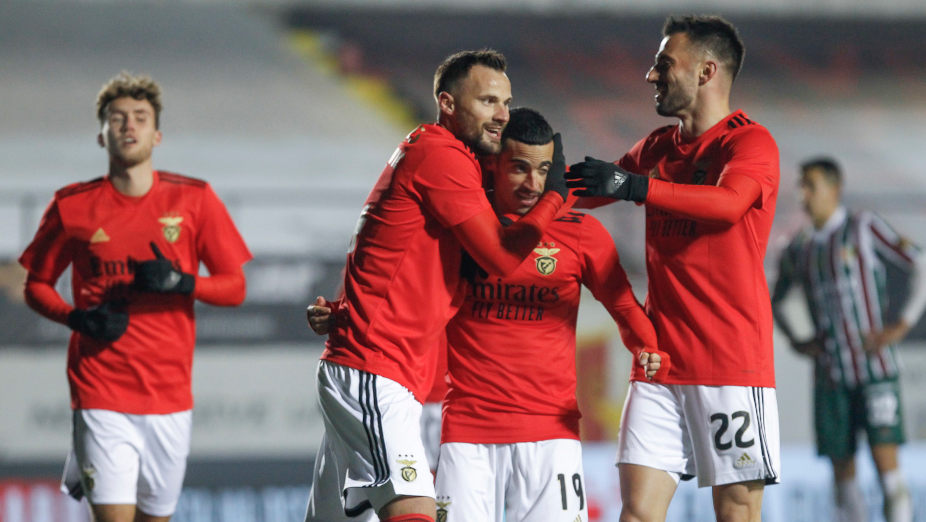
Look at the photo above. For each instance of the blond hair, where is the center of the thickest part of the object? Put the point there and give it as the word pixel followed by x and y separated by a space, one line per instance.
pixel 140 87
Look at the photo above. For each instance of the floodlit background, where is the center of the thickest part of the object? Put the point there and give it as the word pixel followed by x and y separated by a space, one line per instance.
pixel 291 108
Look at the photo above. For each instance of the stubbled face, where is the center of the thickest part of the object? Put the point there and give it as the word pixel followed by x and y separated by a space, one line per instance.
pixel 675 75
pixel 520 175
pixel 819 196
pixel 480 109
pixel 129 134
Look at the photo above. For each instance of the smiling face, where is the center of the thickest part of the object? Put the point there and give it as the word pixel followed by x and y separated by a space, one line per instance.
pixel 129 133
pixel 675 75
pixel 478 109
pixel 520 175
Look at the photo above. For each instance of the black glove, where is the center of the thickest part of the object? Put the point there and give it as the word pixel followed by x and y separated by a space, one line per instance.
pixel 103 323
pixel 556 181
pixel 599 178
pixel 159 275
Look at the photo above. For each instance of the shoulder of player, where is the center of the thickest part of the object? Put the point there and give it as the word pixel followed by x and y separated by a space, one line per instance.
pixel 658 135
pixel 441 144
pixel 572 217
pixel 740 126
pixel 179 179
pixel 80 187
pixel 577 225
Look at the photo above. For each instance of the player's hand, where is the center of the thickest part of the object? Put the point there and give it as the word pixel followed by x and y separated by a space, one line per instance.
pixel 320 316
pixel 596 178
pixel 556 181
pixel 876 340
pixel 159 275
pixel 103 323
pixel 811 348
pixel 653 361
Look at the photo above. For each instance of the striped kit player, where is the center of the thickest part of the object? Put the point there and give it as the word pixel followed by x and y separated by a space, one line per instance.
pixel 841 268
pixel 840 263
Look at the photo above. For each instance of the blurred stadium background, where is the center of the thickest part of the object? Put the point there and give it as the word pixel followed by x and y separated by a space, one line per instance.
pixel 290 109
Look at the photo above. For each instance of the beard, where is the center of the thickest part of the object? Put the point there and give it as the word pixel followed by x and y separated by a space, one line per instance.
pixel 481 144
pixel 673 101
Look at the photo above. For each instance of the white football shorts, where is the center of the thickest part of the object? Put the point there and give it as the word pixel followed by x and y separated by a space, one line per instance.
pixel 119 458
pixel 372 445
pixel 520 482
pixel 720 434
pixel 430 431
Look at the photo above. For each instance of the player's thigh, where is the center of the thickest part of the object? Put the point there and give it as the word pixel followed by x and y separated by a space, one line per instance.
pixel 834 421
pixel 734 433
pixel 107 448
pixel 374 424
pixel 163 461
pixel 471 481
pixel 645 492
pixel 547 482
pixel 653 432
pixel 883 415
pixel 114 513
pixel 327 486
pixel 739 502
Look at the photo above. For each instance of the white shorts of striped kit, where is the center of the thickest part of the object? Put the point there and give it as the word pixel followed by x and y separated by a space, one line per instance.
pixel 372 451
pixel 720 434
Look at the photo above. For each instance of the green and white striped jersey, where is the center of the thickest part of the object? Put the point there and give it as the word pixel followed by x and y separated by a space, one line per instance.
pixel 841 270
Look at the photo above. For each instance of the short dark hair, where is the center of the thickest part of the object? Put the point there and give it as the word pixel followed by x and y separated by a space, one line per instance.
pixel 711 33
pixel 527 126
pixel 456 66
pixel 827 166
pixel 140 87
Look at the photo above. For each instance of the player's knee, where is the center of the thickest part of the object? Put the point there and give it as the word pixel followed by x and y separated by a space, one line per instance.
pixel 641 512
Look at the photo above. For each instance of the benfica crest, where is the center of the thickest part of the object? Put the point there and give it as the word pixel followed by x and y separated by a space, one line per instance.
pixel 88 474
pixel 546 263
pixel 409 473
pixel 171 228
pixel 442 511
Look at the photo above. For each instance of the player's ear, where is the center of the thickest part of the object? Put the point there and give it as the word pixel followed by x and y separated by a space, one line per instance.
pixel 446 103
pixel 707 71
pixel 99 140
pixel 157 138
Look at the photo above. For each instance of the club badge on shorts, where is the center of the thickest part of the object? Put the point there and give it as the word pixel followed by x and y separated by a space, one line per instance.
pixel 171 228
pixel 442 511
pixel 87 478
pixel 546 263
pixel 409 473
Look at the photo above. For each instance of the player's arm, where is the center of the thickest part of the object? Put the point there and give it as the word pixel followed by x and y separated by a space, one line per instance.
pixel 751 157
pixel 894 248
pixel 725 202
pixel 783 284
pixel 42 297
pixel 223 287
pixel 603 274
pixel 501 249
pixel 45 260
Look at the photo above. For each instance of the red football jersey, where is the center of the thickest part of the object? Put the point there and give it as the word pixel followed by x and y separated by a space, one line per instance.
pixel 439 384
pixel 708 297
pixel 103 234
pixel 512 346
pixel 402 273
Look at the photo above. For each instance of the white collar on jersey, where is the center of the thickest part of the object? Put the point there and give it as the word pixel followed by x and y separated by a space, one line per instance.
pixel 835 221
